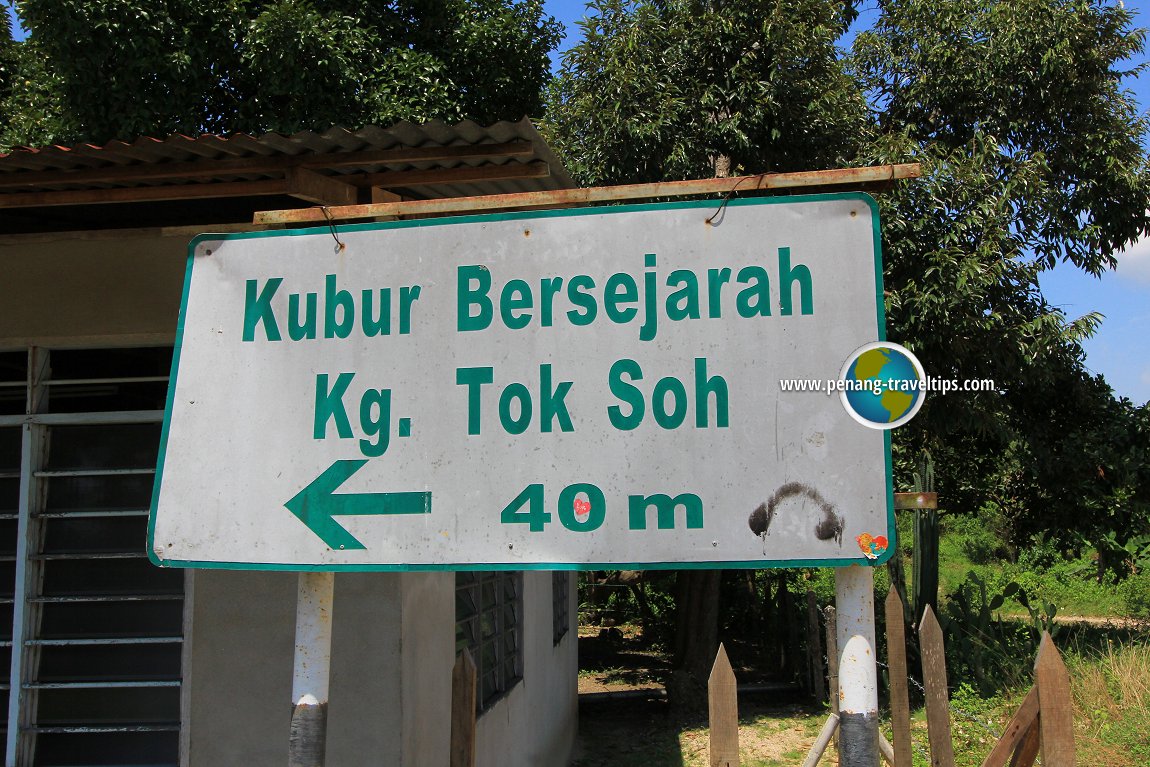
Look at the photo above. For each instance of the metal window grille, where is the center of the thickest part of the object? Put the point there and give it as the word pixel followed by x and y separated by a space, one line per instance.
pixel 92 631
pixel 560 604
pixel 489 623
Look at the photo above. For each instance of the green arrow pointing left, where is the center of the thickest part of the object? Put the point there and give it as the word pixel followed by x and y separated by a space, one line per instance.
pixel 317 503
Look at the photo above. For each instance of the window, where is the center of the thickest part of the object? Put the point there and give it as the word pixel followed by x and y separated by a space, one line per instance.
pixel 560 604
pixel 92 630
pixel 489 623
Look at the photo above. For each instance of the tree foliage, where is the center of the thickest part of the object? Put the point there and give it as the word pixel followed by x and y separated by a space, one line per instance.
pixel 124 68
pixel 1041 79
pixel 1032 154
pixel 31 111
pixel 658 90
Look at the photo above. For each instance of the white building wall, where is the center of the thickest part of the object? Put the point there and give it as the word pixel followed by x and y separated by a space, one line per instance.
pixel 238 680
pixel 427 639
pixel 392 653
pixel 90 289
pixel 534 725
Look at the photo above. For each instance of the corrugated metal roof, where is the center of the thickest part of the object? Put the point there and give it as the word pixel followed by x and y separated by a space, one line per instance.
pixel 53 166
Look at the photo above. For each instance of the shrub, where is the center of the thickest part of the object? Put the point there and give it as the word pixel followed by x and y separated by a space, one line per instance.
pixel 1135 592
pixel 981 546
pixel 1041 554
pixel 994 653
pixel 982 538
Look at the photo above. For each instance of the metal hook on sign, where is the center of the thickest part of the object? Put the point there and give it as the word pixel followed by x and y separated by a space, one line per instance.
pixel 339 246
pixel 727 197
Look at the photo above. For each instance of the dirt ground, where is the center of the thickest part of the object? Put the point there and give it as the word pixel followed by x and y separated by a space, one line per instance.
pixel 635 727
pixel 616 660
pixel 639 733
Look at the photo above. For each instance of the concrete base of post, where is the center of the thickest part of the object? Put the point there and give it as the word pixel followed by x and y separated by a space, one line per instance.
pixel 858 740
pixel 308 735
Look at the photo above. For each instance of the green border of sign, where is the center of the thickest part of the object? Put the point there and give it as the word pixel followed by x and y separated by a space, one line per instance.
pixel 518 216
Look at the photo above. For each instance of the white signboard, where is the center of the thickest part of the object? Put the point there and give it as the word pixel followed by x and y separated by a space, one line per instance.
pixel 564 389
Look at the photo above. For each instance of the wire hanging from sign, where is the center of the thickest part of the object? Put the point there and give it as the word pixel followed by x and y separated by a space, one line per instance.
pixel 730 192
pixel 339 245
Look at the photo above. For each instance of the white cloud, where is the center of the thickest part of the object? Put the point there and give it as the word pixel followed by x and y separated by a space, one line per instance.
pixel 1134 262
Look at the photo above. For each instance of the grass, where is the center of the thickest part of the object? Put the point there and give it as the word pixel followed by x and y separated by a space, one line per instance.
pixel 1111 690
pixel 1070 584
pixel 1112 704
pixel 1109 665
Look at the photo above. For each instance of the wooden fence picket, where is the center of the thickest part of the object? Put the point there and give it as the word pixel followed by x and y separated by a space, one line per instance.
pixel 934 680
pixel 1027 750
pixel 1056 708
pixel 723 708
pixel 1044 721
pixel 1017 730
pixel 815 649
pixel 830 616
pixel 463 682
pixel 899 692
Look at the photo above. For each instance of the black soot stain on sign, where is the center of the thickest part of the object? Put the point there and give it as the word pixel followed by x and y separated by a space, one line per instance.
pixel 828 527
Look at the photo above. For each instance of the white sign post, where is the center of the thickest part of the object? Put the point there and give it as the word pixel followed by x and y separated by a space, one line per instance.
pixel 575 389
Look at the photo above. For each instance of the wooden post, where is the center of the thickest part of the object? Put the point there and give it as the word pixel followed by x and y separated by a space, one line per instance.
pixel 934 679
pixel 1016 732
pixel 463 684
pixel 815 649
pixel 833 664
pixel 1045 720
pixel 1056 714
pixel 723 707
pixel 559 197
pixel 781 619
pixel 1027 750
pixel 899 693
pixel 787 612
pixel 380 195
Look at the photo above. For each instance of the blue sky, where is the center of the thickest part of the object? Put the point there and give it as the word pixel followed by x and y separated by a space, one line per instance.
pixel 1121 348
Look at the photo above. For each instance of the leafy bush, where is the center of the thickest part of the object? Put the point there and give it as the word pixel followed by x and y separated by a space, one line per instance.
pixel 1071 582
pixel 986 537
pixel 981 546
pixel 993 652
pixel 1041 554
pixel 1135 592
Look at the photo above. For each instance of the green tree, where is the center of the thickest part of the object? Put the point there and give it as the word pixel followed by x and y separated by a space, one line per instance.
pixel 144 67
pixel 1032 155
pixel 690 89
pixel 31 111
pixel 661 89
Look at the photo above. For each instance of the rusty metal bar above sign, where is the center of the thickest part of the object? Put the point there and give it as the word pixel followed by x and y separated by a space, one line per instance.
pixel 566 197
